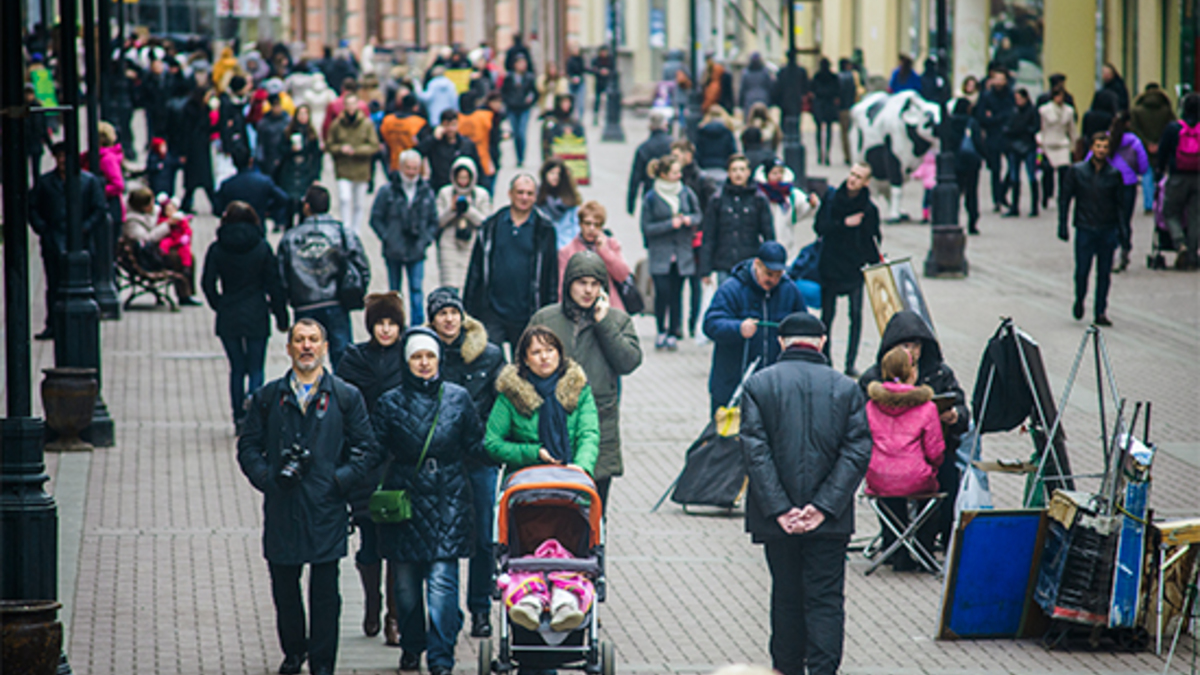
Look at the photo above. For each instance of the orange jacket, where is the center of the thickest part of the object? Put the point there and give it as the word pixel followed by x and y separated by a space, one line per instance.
pixel 478 127
pixel 400 134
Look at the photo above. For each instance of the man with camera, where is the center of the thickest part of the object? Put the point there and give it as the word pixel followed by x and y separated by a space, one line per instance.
pixel 307 443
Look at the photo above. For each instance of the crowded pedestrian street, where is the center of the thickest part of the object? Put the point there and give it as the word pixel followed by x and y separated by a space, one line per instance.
pixel 160 565
pixel 519 337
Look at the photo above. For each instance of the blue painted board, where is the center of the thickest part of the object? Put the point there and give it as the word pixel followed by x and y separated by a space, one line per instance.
pixel 993 563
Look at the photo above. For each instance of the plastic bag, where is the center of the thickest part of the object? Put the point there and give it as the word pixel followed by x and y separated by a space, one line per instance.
pixel 973 494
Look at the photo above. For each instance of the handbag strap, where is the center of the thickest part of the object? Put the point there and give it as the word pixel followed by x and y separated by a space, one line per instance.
pixel 429 436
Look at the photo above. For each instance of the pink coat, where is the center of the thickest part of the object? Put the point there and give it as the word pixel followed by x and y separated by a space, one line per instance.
pixel 110 170
pixel 908 444
pixel 614 262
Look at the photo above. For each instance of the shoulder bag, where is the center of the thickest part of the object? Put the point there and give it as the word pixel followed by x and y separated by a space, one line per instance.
pixel 395 506
pixel 352 290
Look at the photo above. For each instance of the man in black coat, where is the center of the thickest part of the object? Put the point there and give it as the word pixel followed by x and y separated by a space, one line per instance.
pixel 1095 187
pixel 48 218
pixel 807 444
pixel 517 245
pixel 443 146
pixel 996 104
pixel 307 444
pixel 848 223
pixel 908 330
pixel 470 361
pixel 272 129
pixel 250 185
pixel 658 145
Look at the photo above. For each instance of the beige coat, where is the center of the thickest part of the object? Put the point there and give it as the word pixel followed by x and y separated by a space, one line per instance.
pixel 1058 133
pixel 454 254
pixel 361 137
pixel 143 228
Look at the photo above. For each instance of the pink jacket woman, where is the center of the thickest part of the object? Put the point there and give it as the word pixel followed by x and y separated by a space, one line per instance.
pixel 908 444
pixel 593 237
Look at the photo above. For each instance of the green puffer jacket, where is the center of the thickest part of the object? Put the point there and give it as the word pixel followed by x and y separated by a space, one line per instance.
pixel 605 350
pixel 512 428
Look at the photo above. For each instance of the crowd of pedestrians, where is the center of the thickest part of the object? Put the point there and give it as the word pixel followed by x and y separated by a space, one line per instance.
pixel 517 358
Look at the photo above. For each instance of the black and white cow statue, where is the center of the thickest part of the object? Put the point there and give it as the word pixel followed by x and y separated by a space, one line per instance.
pixel 892 134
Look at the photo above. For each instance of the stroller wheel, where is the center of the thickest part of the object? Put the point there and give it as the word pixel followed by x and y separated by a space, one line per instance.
pixel 608 659
pixel 485 657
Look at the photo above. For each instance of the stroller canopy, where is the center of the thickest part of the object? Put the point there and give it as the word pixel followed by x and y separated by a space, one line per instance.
pixel 548 488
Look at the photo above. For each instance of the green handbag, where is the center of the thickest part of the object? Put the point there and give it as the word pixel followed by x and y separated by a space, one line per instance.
pixel 395 506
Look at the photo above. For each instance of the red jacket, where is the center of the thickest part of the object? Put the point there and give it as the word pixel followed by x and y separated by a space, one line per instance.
pixel 907 439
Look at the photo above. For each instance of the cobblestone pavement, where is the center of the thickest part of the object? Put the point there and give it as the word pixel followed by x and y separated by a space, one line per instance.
pixel 162 568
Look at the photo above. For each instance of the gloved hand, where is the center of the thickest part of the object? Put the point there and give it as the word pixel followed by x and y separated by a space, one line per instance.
pixel 1063 233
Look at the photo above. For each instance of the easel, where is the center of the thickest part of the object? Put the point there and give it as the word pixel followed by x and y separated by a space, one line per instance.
pixel 1190 596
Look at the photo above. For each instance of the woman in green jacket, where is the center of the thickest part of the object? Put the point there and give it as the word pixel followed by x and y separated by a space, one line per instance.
pixel 545 412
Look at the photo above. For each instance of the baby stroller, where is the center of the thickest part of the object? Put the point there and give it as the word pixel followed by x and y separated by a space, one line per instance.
pixel 1161 242
pixel 540 503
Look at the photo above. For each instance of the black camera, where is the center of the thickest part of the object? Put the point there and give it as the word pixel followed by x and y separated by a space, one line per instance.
pixel 295 465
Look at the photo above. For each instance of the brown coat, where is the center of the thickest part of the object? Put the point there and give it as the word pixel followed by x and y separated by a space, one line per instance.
pixel 361 138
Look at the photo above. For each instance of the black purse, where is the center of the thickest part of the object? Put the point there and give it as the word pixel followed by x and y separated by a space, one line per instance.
pixel 395 506
pixel 631 297
pixel 352 288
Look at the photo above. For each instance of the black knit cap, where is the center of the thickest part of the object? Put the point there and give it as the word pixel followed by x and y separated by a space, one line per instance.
pixel 441 298
pixel 381 306
pixel 801 324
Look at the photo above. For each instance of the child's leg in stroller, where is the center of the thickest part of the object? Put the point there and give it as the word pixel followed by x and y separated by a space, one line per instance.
pixel 525 596
pixel 570 599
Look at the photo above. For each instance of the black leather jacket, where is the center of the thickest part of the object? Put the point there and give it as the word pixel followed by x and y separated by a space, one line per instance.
pixel 310 261
pixel 1097 196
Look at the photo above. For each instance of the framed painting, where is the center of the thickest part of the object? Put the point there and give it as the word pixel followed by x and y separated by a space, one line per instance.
pixel 882 294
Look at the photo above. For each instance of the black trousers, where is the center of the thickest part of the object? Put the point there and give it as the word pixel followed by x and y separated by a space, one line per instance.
pixel 668 302
pixel 325 609
pixel 501 330
pixel 829 307
pixel 1099 245
pixel 808 616
pixel 995 158
pixel 52 268
pixel 967 180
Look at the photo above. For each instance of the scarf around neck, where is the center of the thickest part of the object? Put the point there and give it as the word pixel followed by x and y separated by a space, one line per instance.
pixel 552 419
pixel 777 193
pixel 669 192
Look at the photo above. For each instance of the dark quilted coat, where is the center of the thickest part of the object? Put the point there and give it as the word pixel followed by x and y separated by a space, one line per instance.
pixel 443 522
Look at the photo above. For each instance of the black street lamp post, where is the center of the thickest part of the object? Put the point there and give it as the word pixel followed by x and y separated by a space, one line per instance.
pixel 76 314
pixel 612 109
pixel 103 242
pixel 693 113
pixel 948 242
pixel 791 104
pixel 28 515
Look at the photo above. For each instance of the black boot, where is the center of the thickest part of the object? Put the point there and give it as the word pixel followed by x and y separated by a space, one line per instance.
pixel 1033 188
pixel 1014 210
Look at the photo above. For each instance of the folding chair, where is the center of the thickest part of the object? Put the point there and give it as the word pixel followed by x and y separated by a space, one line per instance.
pixel 918 517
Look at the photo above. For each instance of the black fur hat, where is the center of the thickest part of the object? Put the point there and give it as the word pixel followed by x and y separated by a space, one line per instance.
pixel 381 306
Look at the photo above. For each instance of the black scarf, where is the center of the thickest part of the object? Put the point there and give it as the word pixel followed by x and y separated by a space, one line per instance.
pixel 552 419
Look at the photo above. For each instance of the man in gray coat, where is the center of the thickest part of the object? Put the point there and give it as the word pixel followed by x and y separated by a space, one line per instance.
pixel 807 444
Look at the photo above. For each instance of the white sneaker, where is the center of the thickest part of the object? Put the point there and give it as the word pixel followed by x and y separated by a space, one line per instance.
pixel 564 615
pixel 527 613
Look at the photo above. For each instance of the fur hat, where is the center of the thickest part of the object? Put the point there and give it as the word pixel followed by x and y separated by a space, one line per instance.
pixel 380 306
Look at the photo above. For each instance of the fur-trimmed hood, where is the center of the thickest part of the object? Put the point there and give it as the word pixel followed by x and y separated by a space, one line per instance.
pixel 525 398
pixel 475 338
pixel 894 398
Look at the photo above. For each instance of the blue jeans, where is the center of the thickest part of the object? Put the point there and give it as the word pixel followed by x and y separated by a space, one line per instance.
pixel 416 277
pixel 1014 167
pixel 337 329
pixel 1100 245
pixel 479 572
pixel 440 578
pixel 1149 184
pixel 246 358
pixel 519 121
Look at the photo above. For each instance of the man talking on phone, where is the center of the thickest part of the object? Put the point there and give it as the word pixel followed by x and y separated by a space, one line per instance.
pixel 602 340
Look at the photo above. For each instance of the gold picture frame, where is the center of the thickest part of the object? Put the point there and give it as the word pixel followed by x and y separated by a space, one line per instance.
pixel 881 291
